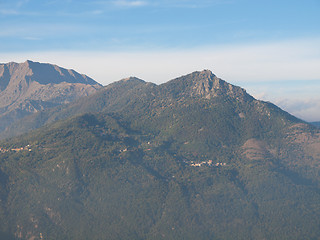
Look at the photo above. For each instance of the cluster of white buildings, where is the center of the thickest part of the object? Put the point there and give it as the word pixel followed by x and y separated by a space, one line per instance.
pixel 26 148
pixel 208 163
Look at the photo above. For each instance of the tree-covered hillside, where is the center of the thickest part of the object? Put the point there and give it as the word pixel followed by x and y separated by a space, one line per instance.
pixel 317 124
pixel 195 158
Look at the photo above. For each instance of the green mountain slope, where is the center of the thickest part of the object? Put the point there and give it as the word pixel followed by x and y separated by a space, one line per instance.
pixel 317 124
pixel 195 158
pixel 113 96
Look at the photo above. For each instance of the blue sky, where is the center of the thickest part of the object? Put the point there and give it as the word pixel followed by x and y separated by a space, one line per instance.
pixel 250 43
pixel 144 24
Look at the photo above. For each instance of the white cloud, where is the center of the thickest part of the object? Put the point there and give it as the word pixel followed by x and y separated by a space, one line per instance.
pixel 291 60
pixel 8 12
pixel 30 38
pixel 39 30
pixel 12 7
pixel 307 109
pixel 192 3
pixel 125 3
pixel 22 2
pixel 164 3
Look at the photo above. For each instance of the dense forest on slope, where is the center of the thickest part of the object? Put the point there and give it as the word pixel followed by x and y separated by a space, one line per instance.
pixel 194 158
pixel 317 124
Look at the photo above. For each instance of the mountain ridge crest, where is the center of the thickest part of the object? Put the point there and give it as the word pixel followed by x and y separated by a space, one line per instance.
pixel 205 84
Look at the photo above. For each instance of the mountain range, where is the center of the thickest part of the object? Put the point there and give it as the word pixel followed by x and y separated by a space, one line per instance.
pixel 192 158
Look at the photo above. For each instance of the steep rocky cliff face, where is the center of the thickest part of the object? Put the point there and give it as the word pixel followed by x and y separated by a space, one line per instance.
pixel 29 87
pixel 205 84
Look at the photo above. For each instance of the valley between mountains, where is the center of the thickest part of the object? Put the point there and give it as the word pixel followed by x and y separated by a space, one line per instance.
pixel 193 158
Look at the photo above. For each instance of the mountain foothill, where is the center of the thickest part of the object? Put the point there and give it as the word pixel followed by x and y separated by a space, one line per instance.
pixel 192 158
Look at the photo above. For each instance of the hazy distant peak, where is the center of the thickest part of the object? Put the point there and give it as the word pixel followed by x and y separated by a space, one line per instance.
pixel 30 86
pixel 43 73
pixel 206 73
pixel 127 83
pixel 132 79
pixel 30 62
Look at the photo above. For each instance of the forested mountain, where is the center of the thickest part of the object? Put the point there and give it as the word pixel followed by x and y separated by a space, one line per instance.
pixel 193 158
pixel 30 87
pixel 317 124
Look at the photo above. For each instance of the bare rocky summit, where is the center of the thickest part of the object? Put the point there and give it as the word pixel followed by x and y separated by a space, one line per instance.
pixel 29 87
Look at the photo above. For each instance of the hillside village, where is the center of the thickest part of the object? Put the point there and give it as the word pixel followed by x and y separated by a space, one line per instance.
pixel 208 163
pixel 26 148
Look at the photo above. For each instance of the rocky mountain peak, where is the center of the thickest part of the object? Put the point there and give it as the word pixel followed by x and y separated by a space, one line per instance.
pixel 30 87
pixel 132 79
pixel 205 84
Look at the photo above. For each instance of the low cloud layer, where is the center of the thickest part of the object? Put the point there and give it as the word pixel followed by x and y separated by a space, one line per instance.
pixel 306 109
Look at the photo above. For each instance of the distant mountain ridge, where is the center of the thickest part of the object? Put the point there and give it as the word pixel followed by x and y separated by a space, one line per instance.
pixel 42 73
pixel 125 94
pixel 132 93
pixel 29 87
pixel 317 124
